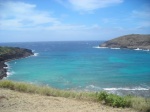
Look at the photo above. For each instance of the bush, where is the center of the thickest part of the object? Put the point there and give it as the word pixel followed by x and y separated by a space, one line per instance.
pixel 113 100
pixel 102 96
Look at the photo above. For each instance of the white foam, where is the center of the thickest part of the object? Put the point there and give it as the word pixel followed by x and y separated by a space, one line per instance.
pixel 114 48
pixel 36 54
pixel 146 50
pixel 137 49
pixel 93 87
pixel 115 89
pixel 6 63
pixel 10 73
pixel 98 47
pixel 127 89
pixel 6 67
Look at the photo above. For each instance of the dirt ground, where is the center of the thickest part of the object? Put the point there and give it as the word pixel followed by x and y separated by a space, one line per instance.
pixel 12 101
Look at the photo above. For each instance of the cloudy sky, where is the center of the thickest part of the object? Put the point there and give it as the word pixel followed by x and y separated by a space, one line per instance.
pixel 67 20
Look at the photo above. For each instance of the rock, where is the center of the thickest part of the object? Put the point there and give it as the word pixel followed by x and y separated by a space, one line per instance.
pixel 132 41
pixel 10 53
pixel 2 70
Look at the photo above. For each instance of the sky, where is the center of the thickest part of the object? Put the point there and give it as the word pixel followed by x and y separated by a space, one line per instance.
pixel 72 20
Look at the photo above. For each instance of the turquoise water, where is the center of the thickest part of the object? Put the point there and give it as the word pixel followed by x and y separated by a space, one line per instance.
pixel 83 66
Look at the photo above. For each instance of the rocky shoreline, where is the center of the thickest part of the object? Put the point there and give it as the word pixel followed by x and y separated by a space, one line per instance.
pixel 132 41
pixel 3 70
pixel 11 53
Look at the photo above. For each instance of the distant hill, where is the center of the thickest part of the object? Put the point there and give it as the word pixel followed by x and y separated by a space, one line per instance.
pixel 132 41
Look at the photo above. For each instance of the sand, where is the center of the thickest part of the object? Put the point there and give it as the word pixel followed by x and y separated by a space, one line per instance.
pixel 12 101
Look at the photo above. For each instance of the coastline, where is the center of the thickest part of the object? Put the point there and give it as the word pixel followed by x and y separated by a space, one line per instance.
pixel 3 70
pixel 4 67
pixel 68 83
pixel 19 53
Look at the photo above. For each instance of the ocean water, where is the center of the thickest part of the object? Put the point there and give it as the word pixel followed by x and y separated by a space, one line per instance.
pixel 83 66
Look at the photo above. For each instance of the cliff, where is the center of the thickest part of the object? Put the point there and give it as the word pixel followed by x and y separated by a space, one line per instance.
pixel 132 41
pixel 10 53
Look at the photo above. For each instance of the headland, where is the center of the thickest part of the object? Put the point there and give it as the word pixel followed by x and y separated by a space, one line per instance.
pixel 11 53
pixel 132 41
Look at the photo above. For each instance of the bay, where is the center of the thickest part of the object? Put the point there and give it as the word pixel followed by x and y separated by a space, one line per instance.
pixel 83 66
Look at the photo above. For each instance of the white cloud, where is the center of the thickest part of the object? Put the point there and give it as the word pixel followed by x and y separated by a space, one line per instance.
pixel 143 18
pixel 19 15
pixel 66 27
pixel 88 5
pixel 141 14
pixel 24 20
pixel 24 16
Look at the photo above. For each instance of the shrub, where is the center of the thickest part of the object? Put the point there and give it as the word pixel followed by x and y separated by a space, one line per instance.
pixel 102 96
pixel 113 100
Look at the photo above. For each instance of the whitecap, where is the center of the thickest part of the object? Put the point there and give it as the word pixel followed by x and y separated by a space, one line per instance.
pixel 98 47
pixel 6 63
pixel 92 87
pixel 146 50
pixel 7 67
pixel 36 54
pixel 114 48
pixel 137 49
pixel 127 89
pixel 10 73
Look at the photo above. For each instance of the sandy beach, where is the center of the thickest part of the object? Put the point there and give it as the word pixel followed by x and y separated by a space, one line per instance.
pixel 12 101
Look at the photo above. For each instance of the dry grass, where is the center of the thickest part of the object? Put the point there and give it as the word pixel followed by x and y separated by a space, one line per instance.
pixel 139 103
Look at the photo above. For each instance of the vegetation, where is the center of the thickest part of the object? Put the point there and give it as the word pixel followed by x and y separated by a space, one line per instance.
pixel 113 100
pixel 10 50
pixel 5 50
pixel 7 53
pixel 45 90
pixel 131 41
pixel 139 103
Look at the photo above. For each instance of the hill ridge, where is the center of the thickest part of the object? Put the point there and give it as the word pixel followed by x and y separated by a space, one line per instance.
pixel 131 41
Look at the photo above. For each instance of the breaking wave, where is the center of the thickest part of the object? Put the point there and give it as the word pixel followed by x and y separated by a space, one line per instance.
pixel 114 48
pixel 36 54
pixel 98 47
pixel 127 89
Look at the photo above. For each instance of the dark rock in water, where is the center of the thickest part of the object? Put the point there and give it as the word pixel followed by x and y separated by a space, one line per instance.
pixel 10 53
pixel 2 70
pixel 132 41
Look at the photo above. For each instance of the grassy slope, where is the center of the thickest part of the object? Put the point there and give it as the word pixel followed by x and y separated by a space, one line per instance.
pixel 8 50
pixel 139 103
pixel 7 53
